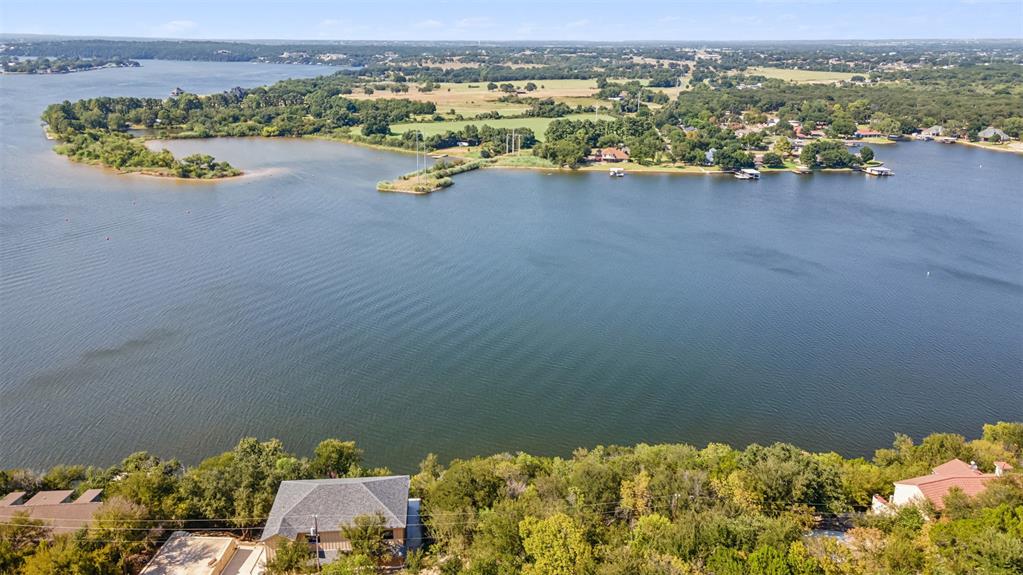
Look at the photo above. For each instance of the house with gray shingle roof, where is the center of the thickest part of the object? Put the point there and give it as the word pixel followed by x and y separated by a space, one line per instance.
pixel 990 132
pixel 306 508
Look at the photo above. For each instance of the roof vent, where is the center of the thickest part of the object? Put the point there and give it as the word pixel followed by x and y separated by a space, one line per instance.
pixel 973 465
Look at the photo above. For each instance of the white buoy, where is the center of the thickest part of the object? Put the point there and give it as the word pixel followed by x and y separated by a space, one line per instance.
pixel 928 274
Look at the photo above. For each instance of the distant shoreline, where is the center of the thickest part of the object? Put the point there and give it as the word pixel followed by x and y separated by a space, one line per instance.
pixel 629 167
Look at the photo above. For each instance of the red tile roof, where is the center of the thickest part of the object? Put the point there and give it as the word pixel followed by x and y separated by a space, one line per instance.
pixel 954 473
pixel 614 153
pixel 956 467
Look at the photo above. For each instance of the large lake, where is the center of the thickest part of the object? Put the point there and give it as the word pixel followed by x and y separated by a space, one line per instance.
pixel 515 311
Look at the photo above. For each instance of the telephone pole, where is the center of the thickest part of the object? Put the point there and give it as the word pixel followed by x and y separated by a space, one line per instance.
pixel 315 532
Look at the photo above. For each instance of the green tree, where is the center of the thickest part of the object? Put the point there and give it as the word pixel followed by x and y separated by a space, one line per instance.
pixel 19 536
pixel 801 560
pixel 726 561
pixel 772 160
pixel 366 534
pixel 354 564
pixel 653 534
pixel 1009 435
pixel 842 125
pixel 375 123
pixel 635 494
pixel 555 546
pixel 291 558
pixel 767 561
pixel 62 477
pixel 335 458
pixel 782 146
pixel 866 154
pixel 240 484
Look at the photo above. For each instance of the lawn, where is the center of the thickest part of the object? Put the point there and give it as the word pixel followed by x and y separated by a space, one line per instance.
pixel 801 76
pixel 538 125
pixel 471 98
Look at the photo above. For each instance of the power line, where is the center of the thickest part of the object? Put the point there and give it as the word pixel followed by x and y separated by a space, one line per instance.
pixel 673 502
pixel 445 514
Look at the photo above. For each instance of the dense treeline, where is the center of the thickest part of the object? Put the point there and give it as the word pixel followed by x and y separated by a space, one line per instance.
pixel 123 152
pixel 847 56
pixel 649 509
pixel 492 141
pixel 287 108
pixel 968 110
pixel 568 142
pixel 94 130
pixel 60 65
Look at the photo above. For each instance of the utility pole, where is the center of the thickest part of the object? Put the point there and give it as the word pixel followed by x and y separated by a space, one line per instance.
pixel 315 532
pixel 419 171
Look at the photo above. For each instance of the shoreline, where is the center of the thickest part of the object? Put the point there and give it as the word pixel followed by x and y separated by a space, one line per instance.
pixel 630 168
pixel 93 69
pixel 143 173
pixel 1004 148
pixel 245 175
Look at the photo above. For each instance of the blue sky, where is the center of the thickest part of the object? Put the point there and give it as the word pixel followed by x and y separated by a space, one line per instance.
pixel 621 20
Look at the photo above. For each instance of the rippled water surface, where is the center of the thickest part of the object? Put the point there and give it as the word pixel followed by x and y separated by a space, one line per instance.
pixel 516 310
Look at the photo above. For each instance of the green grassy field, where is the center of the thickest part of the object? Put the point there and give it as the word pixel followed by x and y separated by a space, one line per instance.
pixel 801 76
pixel 471 98
pixel 538 125
pixel 544 87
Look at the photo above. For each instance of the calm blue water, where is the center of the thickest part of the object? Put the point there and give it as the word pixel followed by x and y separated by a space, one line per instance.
pixel 516 310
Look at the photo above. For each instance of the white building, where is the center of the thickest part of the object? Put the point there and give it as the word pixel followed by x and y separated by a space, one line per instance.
pixel 936 486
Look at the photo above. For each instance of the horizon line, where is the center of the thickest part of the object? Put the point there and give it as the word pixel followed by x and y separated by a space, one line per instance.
pixel 507 41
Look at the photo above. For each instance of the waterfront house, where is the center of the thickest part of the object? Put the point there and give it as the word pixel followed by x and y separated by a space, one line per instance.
pixel 934 487
pixel 933 131
pixel 989 133
pixel 188 554
pixel 176 92
pixel 868 134
pixel 316 510
pixel 708 156
pixel 610 155
pixel 58 509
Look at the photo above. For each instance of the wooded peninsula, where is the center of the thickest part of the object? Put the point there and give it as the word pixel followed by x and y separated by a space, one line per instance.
pixel 11 65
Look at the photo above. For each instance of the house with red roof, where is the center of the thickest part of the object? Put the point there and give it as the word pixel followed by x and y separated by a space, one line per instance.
pixel 868 134
pixel 610 155
pixel 934 487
